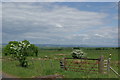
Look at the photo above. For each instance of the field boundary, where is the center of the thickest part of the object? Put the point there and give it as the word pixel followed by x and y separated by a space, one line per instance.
pixel 98 65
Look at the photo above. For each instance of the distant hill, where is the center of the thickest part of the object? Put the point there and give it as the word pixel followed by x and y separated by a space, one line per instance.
pixel 56 45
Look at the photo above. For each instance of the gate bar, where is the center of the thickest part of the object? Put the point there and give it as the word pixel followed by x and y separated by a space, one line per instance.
pixel 114 71
pixel 83 58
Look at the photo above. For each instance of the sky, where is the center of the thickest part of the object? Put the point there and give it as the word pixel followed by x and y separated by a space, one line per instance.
pixel 59 0
pixel 68 23
pixel 0 24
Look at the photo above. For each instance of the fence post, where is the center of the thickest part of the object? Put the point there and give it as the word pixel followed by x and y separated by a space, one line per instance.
pixel 108 65
pixel 65 64
pixel 51 64
pixel 62 64
pixel 101 65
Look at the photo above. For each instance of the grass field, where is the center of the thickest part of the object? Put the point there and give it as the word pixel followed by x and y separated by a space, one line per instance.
pixel 42 66
pixel 0 61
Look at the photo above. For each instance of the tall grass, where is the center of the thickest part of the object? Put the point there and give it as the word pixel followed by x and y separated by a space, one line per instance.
pixel 51 66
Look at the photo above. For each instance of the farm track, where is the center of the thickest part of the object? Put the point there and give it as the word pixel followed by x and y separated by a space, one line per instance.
pixel 5 75
pixel 51 76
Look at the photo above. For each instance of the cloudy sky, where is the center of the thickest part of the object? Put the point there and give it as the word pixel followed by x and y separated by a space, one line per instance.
pixel 61 23
pixel 59 0
pixel 0 23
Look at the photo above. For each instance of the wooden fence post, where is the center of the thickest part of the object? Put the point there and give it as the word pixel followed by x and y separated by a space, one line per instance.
pixel 65 64
pixel 62 64
pixel 51 64
pixel 101 65
pixel 108 66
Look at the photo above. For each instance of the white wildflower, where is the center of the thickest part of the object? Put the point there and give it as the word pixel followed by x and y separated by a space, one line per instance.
pixel 11 44
pixel 19 48
pixel 28 45
pixel 14 48
pixel 21 42
pixel 11 47
pixel 81 52
pixel 20 45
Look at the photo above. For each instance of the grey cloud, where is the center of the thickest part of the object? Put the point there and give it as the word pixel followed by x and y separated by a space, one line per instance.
pixel 60 0
pixel 57 24
pixel 0 22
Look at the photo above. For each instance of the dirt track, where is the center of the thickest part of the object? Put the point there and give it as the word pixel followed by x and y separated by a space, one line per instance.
pixel 4 75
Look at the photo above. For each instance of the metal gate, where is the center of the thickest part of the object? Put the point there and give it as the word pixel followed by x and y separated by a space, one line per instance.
pixel 81 65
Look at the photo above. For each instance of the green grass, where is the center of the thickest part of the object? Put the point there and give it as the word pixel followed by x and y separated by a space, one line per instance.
pixel 40 69
pixel 52 67
pixel 0 62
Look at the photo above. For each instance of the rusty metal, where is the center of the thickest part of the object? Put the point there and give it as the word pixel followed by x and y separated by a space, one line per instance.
pixel 82 66
pixel 83 58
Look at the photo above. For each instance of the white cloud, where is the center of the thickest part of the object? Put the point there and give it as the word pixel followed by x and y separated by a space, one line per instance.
pixel 47 22
pixel 60 0
pixel 99 35
pixel 0 22
pixel 59 26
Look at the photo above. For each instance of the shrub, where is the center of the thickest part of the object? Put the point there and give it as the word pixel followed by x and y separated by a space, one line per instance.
pixel 20 51
pixel 78 54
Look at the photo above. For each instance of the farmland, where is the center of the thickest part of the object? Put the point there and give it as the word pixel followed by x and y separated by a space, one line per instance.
pixel 48 63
